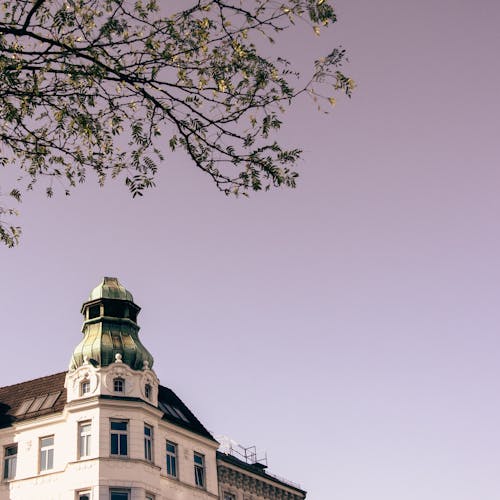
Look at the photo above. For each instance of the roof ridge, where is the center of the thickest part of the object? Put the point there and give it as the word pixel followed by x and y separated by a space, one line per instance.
pixel 33 380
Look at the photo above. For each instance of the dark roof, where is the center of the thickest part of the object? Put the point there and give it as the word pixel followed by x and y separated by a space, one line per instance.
pixel 257 469
pixel 190 422
pixel 12 397
pixel 49 395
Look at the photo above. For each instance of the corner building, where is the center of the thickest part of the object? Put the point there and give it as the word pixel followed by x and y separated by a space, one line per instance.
pixel 107 430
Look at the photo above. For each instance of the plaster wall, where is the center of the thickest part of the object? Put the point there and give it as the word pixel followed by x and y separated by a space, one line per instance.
pixel 101 471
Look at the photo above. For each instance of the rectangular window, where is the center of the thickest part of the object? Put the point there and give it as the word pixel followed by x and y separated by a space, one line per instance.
pixel 229 496
pixel 148 443
pixel 10 461
pixel 47 453
pixel 149 496
pixel 119 495
pixel 199 470
pixel 84 432
pixel 119 438
pixel 171 459
pixel 83 495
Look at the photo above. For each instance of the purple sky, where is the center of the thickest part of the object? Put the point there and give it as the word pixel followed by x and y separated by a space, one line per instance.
pixel 349 327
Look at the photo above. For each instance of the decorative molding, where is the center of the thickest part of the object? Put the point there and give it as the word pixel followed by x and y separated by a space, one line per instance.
pixel 250 484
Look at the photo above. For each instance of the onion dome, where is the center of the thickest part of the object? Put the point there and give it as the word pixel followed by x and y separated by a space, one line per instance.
pixel 110 328
pixel 110 288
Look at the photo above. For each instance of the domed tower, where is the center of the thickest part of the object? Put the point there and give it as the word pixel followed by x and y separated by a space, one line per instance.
pixel 110 328
pixel 111 360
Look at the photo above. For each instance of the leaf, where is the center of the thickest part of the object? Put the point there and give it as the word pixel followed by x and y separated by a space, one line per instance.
pixel 112 76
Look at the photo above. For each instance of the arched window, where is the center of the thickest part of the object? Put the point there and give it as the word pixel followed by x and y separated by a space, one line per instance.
pixel 119 385
pixel 148 391
pixel 84 387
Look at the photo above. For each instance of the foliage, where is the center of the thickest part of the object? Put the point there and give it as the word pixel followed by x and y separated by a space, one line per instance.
pixel 104 85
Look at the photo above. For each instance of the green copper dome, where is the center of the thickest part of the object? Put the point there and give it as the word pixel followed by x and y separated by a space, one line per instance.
pixel 110 288
pixel 110 327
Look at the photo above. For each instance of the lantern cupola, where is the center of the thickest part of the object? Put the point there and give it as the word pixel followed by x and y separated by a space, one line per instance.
pixel 110 328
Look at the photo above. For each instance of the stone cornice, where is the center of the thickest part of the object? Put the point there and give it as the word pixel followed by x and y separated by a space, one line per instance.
pixel 255 485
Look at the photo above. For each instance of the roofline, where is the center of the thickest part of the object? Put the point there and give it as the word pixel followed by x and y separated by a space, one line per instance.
pixel 230 459
pixel 33 379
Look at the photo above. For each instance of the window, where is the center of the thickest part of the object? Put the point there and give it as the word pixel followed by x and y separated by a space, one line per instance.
pixel 119 385
pixel 84 387
pixel 83 495
pixel 199 470
pixel 149 496
pixel 147 391
pixel 84 433
pixel 50 401
pixel 119 436
pixel 228 496
pixel 94 311
pixel 119 495
pixel 38 403
pixel 148 443
pixel 47 453
pixel 10 461
pixel 171 459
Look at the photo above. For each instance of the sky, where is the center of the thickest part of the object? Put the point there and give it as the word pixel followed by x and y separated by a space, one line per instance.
pixel 349 327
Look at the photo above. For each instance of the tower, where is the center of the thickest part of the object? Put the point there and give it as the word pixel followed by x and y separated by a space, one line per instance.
pixel 110 360
pixel 107 430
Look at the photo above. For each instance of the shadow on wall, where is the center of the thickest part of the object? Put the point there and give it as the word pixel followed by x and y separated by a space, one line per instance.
pixel 5 419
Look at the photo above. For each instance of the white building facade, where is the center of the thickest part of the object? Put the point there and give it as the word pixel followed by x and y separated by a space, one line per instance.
pixel 107 430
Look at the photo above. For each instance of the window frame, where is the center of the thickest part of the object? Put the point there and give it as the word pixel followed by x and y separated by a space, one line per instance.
pixel 148 391
pixel 199 481
pixel 227 495
pixel 80 494
pixel 47 463
pixel 9 462
pixel 172 455
pixel 118 491
pixel 148 443
pixel 84 387
pixel 118 432
pixel 84 440
pixel 119 385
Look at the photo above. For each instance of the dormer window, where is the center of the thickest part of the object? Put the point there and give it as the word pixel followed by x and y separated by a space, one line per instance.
pixel 84 387
pixel 148 391
pixel 119 385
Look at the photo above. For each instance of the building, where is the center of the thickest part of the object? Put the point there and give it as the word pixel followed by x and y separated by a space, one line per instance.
pixel 107 430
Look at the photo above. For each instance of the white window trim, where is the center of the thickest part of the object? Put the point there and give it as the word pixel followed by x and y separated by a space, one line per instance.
pixel 80 493
pixel 119 432
pixel 119 490
pixel 83 384
pixel 7 460
pixel 122 380
pixel 150 440
pixel 47 450
pixel 203 468
pixel 88 435
pixel 174 455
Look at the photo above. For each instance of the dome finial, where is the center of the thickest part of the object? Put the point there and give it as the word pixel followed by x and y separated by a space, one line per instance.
pixel 110 325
